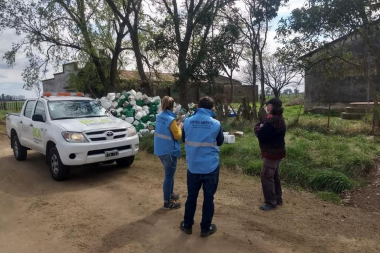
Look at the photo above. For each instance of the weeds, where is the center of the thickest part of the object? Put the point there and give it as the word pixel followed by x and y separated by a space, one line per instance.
pixel 328 161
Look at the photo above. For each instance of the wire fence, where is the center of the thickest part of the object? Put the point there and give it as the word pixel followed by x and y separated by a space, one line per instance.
pixel 14 106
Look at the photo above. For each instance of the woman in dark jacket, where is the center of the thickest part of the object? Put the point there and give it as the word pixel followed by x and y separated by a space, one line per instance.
pixel 271 135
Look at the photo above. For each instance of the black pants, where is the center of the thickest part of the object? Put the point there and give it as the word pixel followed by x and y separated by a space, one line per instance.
pixel 270 182
pixel 194 184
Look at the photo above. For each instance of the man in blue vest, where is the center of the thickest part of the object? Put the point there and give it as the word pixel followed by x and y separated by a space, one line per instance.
pixel 202 135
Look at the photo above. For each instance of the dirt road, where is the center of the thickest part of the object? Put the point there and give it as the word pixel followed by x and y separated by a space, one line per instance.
pixel 105 209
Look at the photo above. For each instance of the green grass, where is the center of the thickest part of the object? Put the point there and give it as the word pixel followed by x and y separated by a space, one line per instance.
pixel 329 196
pixel 325 160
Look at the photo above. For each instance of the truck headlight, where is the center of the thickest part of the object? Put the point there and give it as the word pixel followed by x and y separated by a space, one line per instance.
pixel 131 131
pixel 74 137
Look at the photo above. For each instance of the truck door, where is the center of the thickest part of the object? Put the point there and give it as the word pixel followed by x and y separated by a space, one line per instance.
pixel 26 137
pixel 39 129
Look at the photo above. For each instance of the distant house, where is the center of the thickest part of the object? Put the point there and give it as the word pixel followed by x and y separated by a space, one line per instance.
pixel 60 81
pixel 347 83
pixel 163 84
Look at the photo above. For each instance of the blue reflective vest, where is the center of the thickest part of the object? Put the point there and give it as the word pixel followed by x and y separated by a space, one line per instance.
pixel 164 142
pixel 202 153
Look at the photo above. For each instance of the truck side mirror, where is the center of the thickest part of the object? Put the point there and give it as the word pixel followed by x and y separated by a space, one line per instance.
pixel 38 118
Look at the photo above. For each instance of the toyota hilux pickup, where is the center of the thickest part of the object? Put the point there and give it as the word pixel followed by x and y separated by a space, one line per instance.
pixel 71 131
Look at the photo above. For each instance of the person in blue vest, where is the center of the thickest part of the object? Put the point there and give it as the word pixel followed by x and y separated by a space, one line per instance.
pixel 167 148
pixel 202 135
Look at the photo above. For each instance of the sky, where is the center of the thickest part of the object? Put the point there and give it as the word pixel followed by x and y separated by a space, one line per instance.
pixel 11 82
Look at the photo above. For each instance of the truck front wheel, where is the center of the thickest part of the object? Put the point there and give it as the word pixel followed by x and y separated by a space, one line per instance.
pixel 125 162
pixel 19 151
pixel 58 170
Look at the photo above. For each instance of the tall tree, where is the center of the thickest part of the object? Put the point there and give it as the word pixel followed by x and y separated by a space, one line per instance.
pixel 131 13
pixel 184 19
pixel 320 21
pixel 255 17
pixel 54 32
pixel 278 75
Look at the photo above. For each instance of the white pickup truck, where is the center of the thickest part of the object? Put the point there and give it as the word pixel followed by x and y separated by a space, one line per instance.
pixel 71 131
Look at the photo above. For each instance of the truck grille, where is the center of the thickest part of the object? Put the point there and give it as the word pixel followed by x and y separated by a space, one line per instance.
pixel 104 131
pixel 103 135
pixel 102 151
pixel 104 138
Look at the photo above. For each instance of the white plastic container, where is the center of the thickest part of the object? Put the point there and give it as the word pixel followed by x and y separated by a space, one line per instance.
pixel 139 115
pixel 114 104
pixel 119 110
pixel 130 119
pixel 152 132
pixel 111 96
pixel 229 139
pixel 123 117
pixel 133 102
pixel 226 133
pixel 138 95
pixel 132 92
pixel 239 134
pixel 157 98
pixel 106 104
pixel 144 131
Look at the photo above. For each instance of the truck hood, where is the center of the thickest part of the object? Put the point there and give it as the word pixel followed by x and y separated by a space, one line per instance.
pixel 88 124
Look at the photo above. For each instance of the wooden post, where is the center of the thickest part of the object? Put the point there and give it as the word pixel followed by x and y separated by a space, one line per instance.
pixel 328 121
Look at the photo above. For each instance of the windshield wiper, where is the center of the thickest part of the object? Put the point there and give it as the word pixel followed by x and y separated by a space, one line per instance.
pixel 64 118
pixel 94 116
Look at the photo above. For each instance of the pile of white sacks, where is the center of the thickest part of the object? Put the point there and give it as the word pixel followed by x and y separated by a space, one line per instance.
pixel 139 109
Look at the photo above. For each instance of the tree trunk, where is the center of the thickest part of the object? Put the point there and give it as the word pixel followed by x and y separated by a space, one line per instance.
pixel 115 59
pixel 182 79
pixel 262 77
pixel 145 85
pixel 254 68
pixel 276 93
pixel 102 75
pixel 232 88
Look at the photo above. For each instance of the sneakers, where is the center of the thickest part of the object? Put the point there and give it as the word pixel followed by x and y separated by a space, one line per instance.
pixel 171 205
pixel 211 231
pixel 174 197
pixel 188 230
pixel 267 207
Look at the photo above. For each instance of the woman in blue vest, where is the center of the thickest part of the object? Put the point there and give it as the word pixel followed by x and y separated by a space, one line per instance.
pixel 167 148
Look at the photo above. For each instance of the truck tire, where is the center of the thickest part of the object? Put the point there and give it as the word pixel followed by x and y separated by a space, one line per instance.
pixel 58 170
pixel 125 162
pixel 19 151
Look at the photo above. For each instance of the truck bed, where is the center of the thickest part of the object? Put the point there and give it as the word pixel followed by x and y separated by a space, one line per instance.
pixel 14 114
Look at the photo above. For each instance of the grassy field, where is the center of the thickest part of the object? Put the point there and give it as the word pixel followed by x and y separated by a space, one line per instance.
pixel 325 160
pixel 15 107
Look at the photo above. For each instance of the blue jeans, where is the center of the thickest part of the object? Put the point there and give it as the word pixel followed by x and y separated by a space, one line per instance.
pixel 170 165
pixel 194 183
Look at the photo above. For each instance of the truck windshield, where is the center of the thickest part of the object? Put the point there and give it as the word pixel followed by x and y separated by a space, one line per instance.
pixel 70 109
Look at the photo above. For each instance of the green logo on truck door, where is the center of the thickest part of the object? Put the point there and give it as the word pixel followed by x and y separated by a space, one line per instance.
pixel 37 135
